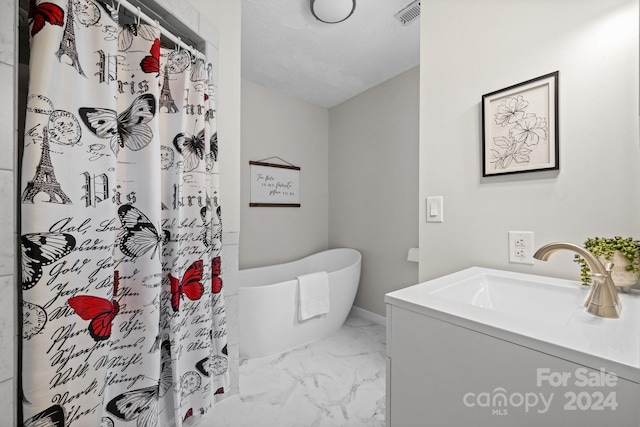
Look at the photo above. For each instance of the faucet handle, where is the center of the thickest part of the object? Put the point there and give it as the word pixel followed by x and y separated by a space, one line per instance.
pixel 609 267
pixel 597 280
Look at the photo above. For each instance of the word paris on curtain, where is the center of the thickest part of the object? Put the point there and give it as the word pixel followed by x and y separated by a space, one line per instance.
pixel 122 301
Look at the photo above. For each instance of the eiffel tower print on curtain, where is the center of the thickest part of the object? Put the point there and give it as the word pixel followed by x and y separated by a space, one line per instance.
pixel 44 181
pixel 166 100
pixel 68 42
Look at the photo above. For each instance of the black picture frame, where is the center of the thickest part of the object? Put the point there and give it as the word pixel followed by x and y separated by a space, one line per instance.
pixel 520 127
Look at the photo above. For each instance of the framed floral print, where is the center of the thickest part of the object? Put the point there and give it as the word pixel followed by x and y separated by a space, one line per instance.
pixel 520 127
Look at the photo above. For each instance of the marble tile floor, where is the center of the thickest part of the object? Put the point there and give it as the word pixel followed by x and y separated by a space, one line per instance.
pixel 334 381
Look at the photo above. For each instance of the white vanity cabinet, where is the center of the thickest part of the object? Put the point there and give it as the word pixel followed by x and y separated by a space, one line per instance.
pixel 444 370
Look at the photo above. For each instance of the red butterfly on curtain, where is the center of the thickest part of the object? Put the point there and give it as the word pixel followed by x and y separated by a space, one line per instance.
pixel 216 271
pixel 189 285
pixel 151 63
pixel 41 13
pixel 100 311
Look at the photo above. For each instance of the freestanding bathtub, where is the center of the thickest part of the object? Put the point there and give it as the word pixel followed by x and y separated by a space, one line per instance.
pixel 268 302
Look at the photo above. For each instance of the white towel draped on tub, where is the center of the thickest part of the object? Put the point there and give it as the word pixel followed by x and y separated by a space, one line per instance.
pixel 313 294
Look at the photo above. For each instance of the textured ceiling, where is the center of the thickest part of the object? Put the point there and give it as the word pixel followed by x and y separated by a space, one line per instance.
pixel 286 49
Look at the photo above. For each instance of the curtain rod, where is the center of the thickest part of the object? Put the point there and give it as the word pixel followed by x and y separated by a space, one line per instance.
pixel 168 34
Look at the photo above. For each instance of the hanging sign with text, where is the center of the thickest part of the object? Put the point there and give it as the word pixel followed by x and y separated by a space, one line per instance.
pixel 274 185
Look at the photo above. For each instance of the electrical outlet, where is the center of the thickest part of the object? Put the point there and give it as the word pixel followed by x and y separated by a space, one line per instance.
pixel 521 247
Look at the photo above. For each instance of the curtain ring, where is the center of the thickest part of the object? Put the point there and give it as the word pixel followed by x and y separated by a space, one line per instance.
pixel 179 44
pixel 139 15
pixel 115 10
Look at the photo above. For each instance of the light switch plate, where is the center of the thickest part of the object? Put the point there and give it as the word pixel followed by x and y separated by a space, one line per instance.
pixel 435 209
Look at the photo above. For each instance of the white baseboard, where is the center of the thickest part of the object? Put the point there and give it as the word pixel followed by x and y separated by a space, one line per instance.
pixel 366 314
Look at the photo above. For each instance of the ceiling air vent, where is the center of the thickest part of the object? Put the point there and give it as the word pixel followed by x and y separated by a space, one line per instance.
pixel 409 13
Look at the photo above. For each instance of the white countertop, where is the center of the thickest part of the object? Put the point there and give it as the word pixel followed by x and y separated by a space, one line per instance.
pixel 553 321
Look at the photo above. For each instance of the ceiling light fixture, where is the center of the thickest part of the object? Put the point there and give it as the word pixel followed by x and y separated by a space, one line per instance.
pixel 332 11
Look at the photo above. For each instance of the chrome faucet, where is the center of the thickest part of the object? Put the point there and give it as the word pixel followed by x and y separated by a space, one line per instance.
pixel 603 299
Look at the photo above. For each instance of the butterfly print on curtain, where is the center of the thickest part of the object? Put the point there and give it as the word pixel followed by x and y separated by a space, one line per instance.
pixel 53 416
pixel 129 31
pixel 190 285
pixel 100 311
pixel 212 158
pixel 205 234
pixel 166 372
pixel 192 149
pixel 138 405
pixel 142 405
pixel 128 128
pixel 42 13
pixel 216 280
pixel 42 249
pixel 151 63
pixel 139 236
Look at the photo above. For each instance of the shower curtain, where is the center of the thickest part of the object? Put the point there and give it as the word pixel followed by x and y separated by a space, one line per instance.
pixel 122 301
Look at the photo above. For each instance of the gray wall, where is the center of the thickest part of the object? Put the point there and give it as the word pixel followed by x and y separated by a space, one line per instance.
pixel 358 181
pixel 497 43
pixel 373 184
pixel 594 45
pixel 274 124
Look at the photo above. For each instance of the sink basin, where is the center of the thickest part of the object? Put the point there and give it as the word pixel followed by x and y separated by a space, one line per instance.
pixel 515 296
pixel 538 312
